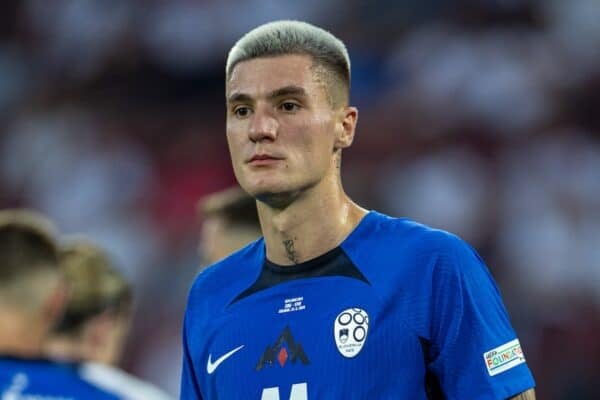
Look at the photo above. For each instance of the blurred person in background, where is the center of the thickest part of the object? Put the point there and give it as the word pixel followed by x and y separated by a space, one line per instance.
pixel 33 295
pixel 335 301
pixel 229 221
pixel 95 324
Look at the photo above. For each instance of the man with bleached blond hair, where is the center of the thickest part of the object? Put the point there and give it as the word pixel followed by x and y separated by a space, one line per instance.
pixel 335 301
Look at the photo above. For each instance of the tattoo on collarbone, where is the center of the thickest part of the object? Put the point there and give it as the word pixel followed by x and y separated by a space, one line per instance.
pixel 289 250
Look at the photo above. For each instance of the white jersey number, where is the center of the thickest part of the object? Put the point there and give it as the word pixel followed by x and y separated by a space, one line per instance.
pixel 299 392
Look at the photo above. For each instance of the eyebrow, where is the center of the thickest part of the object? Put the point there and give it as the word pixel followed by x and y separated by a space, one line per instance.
pixel 287 91
pixel 291 90
pixel 239 98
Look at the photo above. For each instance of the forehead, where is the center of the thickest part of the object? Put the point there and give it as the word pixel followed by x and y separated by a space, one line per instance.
pixel 260 76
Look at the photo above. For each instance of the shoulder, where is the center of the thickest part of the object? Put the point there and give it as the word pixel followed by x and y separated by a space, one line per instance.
pixel 219 283
pixel 441 257
pixel 120 383
pixel 417 252
pixel 402 234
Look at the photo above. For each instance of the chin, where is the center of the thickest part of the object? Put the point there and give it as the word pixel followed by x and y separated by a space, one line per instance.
pixel 275 194
pixel 278 200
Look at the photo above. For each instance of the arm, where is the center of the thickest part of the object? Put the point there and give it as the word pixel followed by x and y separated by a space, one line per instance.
pixel 526 395
pixel 472 338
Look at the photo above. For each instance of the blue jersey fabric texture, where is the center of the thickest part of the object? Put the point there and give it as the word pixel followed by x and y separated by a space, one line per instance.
pixel 397 311
pixel 45 380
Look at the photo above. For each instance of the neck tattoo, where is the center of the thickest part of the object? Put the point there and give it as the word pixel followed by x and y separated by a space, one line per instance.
pixel 289 250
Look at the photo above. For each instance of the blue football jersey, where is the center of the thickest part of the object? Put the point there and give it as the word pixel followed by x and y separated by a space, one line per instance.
pixel 45 380
pixel 397 311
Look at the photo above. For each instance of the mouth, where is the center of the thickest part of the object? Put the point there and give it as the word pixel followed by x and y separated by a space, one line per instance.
pixel 263 159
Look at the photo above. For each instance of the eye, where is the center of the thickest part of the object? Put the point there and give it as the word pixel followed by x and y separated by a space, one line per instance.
pixel 289 106
pixel 242 111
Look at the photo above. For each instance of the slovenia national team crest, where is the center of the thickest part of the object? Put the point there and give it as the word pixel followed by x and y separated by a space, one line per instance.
pixel 350 331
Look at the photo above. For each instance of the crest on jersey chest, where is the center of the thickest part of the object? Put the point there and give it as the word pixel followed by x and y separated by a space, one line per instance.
pixel 350 331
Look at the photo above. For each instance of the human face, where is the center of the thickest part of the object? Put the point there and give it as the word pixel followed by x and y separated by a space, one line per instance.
pixel 281 128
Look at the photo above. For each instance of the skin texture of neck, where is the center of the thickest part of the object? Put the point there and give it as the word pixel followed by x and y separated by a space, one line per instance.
pixel 66 348
pixel 317 220
pixel 21 335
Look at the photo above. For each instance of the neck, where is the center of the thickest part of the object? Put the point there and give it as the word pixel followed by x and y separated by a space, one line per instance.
pixel 66 348
pixel 316 221
pixel 21 335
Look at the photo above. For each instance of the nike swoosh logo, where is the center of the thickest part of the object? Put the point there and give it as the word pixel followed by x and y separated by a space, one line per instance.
pixel 212 366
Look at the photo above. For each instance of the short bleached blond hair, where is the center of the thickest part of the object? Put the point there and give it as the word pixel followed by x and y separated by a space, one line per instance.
pixel 279 38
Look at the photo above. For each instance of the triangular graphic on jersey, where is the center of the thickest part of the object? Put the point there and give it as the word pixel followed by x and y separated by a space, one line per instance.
pixel 283 350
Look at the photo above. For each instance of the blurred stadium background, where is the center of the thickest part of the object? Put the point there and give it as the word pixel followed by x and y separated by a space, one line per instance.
pixel 478 116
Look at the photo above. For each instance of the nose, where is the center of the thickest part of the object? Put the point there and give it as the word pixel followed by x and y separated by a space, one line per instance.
pixel 263 126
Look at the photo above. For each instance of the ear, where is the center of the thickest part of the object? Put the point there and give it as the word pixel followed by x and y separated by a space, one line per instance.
pixel 105 336
pixel 345 127
pixel 99 327
pixel 56 303
pixel 96 336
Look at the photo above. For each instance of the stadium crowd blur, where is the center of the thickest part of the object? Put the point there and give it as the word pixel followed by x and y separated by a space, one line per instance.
pixel 481 117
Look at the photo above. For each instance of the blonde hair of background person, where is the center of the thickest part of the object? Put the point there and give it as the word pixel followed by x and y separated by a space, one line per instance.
pixel 334 301
pixel 96 320
pixel 32 291
pixel 95 325
pixel 229 221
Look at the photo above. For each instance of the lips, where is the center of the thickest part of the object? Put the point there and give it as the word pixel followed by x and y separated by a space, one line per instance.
pixel 260 158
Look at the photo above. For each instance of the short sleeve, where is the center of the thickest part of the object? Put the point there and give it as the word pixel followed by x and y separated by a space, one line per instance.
pixel 475 353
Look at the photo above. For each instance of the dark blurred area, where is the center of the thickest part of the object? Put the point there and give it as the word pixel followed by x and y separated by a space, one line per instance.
pixel 479 117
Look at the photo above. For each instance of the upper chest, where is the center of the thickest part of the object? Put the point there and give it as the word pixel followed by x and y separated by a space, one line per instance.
pixel 320 331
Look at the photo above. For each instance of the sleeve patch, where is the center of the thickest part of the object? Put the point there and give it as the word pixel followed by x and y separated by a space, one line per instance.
pixel 503 357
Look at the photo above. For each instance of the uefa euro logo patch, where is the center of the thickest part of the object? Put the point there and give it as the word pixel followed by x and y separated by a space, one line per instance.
pixel 504 357
pixel 350 331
